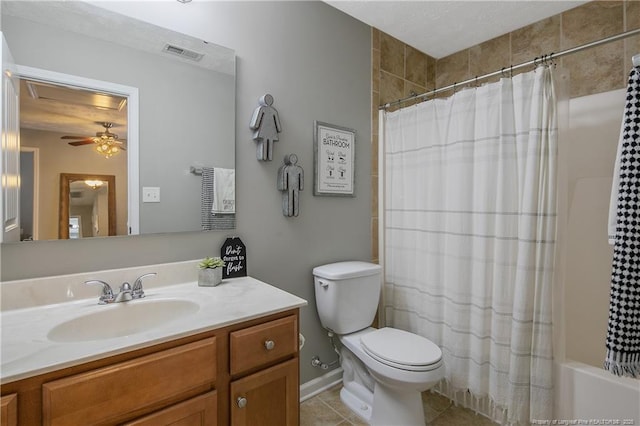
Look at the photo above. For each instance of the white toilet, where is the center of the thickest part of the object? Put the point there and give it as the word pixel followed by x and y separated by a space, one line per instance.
pixel 385 370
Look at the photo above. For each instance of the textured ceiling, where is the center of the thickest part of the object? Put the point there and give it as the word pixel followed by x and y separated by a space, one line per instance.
pixel 440 28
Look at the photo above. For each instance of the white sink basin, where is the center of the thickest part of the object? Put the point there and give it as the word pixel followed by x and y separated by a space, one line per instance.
pixel 122 319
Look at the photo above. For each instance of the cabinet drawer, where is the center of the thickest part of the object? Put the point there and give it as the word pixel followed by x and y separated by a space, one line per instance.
pixel 262 344
pixel 200 411
pixel 111 393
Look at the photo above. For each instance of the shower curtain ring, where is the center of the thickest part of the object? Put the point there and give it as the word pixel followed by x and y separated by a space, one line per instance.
pixel 502 72
pixel 511 71
pixel 535 62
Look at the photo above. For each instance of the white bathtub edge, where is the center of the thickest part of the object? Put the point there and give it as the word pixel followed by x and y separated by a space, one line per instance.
pixel 584 392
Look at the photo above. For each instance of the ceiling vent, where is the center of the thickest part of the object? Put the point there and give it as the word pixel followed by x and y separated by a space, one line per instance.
pixel 182 52
pixel 75 194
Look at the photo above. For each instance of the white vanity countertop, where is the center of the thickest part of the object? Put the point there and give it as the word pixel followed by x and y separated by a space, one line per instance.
pixel 27 351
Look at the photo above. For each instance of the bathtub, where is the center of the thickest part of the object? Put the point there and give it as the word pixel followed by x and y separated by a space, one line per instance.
pixel 588 395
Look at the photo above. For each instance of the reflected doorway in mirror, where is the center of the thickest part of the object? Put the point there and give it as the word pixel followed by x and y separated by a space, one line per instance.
pixel 88 200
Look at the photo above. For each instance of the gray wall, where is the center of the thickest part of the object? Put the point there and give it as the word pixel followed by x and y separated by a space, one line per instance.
pixel 315 61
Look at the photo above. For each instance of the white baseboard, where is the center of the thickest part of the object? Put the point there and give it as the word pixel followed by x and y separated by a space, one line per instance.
pixel 320 384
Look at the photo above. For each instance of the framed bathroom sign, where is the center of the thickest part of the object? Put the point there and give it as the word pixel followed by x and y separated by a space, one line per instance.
pixel 334 160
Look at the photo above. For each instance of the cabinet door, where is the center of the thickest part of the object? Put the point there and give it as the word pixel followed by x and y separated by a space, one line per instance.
pixel 198 411
pixel 9 410
pixel 267 398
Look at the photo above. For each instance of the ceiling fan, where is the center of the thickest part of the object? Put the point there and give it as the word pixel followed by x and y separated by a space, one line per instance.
pixel 106 143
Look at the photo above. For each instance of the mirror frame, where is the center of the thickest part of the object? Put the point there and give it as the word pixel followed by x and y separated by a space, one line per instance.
pixel 65 184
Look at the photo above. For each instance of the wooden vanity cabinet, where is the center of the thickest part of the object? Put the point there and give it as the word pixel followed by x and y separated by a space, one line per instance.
pixel 194 380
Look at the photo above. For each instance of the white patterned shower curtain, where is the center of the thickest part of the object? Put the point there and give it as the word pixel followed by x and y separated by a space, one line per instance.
pixel 469 239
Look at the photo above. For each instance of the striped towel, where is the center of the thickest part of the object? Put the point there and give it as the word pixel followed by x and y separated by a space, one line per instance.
pixel 623 332
pixel 209 220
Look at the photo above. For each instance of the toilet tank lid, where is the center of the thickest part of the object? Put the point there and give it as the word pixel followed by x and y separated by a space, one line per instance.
pixel 345 270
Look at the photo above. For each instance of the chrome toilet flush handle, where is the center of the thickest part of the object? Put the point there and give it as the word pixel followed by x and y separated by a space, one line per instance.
pixel 269 344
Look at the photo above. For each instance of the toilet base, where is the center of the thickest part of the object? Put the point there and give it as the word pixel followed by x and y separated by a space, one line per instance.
pixel 394 407
pixel 358 399
pixel 387 407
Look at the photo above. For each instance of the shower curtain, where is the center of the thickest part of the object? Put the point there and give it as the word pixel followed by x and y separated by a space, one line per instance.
pixel 469 239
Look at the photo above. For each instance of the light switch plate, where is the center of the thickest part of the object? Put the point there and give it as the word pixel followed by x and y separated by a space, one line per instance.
pixel 150 194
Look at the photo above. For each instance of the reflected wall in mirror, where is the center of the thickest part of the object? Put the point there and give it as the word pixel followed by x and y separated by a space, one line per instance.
pixel 186 108
pixel 87 206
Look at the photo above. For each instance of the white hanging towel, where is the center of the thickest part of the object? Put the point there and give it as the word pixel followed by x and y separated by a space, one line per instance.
pixel 224 191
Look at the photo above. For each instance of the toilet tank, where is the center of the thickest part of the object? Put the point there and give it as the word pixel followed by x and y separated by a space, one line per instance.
pixel 347 295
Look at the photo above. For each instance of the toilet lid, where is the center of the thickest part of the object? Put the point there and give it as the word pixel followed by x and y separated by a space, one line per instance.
pixel 401 349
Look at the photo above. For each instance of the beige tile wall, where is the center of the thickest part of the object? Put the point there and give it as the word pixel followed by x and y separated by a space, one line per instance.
pixel 399 69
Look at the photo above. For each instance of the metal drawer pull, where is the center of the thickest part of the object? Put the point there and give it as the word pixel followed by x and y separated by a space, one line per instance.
pixel 241 402
pixel 269 344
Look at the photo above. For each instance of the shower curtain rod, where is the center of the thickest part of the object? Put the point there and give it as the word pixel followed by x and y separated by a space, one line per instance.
pixel 538 60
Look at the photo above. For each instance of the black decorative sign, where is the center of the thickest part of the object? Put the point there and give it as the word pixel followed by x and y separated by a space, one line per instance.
pixel 234 254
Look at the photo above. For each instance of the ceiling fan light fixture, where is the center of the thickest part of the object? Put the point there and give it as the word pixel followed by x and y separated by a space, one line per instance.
pixel 107 147
pixel 94 184
pixel 104 143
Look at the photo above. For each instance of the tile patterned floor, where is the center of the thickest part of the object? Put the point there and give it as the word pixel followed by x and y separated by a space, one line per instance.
pixel 326 409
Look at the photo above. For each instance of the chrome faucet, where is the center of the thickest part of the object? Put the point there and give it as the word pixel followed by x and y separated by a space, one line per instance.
pixel 126 292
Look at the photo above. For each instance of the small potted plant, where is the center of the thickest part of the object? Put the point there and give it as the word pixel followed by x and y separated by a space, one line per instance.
pixel 210 273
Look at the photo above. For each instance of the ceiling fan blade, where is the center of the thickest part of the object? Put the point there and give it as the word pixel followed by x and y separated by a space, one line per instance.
pixel 79 143
pixel 74 137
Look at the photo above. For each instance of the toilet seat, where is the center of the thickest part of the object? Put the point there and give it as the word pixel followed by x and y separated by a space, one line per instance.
pixel 401 349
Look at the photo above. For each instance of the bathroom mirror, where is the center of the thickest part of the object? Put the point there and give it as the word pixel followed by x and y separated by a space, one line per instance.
pixel 87 206
pixel 186 112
